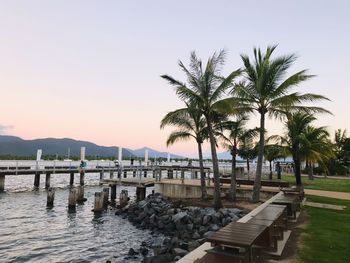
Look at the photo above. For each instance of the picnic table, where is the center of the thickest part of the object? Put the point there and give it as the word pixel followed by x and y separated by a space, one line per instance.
pixel 242 235
pixel 291 202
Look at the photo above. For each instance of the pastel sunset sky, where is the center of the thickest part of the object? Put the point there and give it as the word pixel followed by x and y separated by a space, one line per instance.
pixel 90 70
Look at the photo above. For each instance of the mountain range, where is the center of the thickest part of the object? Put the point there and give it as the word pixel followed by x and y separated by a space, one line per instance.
pixel 50 146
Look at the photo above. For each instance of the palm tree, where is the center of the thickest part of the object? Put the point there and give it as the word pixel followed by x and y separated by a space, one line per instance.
pixel 266 90
pixel 248 151
pixel 271 153
pixel 205 89
pixel 316 148
pixel 236 134
pixel 191 124
pixel 294 138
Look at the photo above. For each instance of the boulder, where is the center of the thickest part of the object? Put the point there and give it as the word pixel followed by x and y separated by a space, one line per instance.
pixel 180 252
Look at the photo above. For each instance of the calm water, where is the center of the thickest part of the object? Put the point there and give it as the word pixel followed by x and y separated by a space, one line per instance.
pixel 29 232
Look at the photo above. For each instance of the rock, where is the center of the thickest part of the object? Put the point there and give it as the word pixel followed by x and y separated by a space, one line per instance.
pixel 207 234
pixel 206 220
pixel 180 252
pixel 214 228
pixel 144 251
pixel 183 245
pixel 202 230
pixel 132 252
pixel 196 235
pixel 189 227
pixel 179 216
pixel 193 245
pixel 174 242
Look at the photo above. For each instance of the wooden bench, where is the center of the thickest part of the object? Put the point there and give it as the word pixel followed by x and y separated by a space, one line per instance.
pixel 241 235
pixel 275 218
pixel 291 202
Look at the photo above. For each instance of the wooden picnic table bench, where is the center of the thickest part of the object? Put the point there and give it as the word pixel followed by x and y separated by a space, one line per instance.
pixel 242 235
pixel 291 202
pixel 274 217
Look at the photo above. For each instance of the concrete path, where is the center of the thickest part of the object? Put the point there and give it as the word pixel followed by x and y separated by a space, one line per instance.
pixel 331 194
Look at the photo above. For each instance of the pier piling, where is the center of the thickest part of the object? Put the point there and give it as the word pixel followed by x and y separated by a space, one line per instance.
pixel 182 176
pixel 50 197
pixel 111 174
pixel 101 176
pixel 80 193
pixel 125 174
pixel 113 192
pixel 72 199
pixel 134 173
pixel 37 180
pixel 98 204
pixel 140 193
pixel 2 183
pixel 106 196
pixel 47 181
pixel 71 179
pixel 145 173
pixel 123 198
pixel 82 175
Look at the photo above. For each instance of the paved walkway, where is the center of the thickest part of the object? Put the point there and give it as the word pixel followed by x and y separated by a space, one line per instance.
pixel 331 194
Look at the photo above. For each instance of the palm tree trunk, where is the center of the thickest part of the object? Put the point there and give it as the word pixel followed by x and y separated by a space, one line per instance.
pixel 233 176
pixel 214 157
pixel 257 182
pixel 270 174
pixel 248 168
pixel 296 159
pixel 310 170
pixel 201 168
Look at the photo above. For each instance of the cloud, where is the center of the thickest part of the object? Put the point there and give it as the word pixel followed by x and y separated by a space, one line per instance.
pixel 5 128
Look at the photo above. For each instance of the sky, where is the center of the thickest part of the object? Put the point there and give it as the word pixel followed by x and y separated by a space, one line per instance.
pixel 90 70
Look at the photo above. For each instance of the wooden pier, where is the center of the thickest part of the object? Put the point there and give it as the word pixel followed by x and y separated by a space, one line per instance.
pixel 138 174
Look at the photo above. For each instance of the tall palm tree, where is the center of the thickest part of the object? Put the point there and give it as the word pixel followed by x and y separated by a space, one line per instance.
pixel 205 89
pixel 191 124
pixel 236 134
pixel 294 137
pixel 266 90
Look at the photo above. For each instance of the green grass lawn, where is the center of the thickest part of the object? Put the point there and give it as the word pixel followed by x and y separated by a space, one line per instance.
pixel 328 184
pixel 326 237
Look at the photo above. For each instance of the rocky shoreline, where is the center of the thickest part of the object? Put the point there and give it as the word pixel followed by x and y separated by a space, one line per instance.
pixel 184 228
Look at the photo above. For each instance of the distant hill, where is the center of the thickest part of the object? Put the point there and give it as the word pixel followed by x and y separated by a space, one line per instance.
pixel 17 146
pixel 153 153
pixel 50 146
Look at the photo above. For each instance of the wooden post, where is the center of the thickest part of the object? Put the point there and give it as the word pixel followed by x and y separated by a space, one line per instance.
pixel 111 174
pixel 196 174
pixel 50 197
pixel 182 176
pixel 170 174
pixel 71 179
pixel 47 181
pixel 113 192
pixel 80 193
pixel 106 196
pixel 98 204
pixel 125 173
pixel 101 177
pixel 145 173
pixel 140 193
pixel 154 173
pixel 123 198
pixel 37 180
pixel 2 183
pixel 119 173
pixel 160 174
pixel 134 173
pixel 82 175
pixel 72 199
